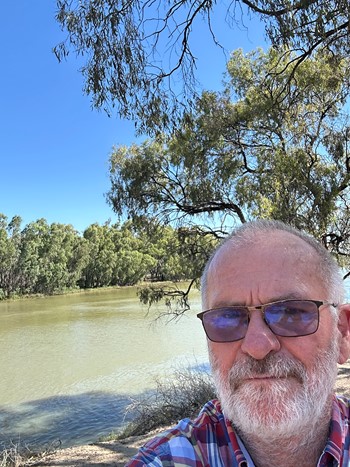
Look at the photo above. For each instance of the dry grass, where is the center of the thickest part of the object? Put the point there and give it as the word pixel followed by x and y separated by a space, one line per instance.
pixel 182 396
pixel 17 455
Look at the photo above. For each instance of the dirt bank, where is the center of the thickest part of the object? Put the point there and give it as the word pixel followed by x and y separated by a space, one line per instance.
pixel 109 453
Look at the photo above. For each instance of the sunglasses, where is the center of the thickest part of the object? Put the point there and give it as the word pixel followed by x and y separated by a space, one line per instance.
pixel 287 318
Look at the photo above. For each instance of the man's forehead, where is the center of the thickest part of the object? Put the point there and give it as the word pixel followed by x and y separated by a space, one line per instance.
pixel 275 243
pixel 275 251
pixel 267 269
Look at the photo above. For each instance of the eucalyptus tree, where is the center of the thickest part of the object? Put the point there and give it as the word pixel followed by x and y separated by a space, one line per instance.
pixel 98 271
pixel 134 261
pixel 40 258
pixel 136 53
pixel 10 240
pixel 116 256
pixel 52 257
pixel 178 254
pixel 265 146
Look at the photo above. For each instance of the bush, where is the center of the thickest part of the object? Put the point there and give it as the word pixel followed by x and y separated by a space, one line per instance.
pixel 14 456
pixel 181 397
pixel 18 455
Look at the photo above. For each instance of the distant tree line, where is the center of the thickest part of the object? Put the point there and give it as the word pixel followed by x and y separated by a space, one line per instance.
pixel 44 258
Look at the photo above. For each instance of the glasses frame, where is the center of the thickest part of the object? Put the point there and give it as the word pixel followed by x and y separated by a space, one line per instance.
pixel 261 308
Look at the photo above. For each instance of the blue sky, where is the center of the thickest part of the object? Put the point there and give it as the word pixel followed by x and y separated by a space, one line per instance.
pixel 54 147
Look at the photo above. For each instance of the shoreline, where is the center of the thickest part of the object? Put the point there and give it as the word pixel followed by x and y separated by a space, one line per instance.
pixel 105 288
pixel 117 452
pixel 100 453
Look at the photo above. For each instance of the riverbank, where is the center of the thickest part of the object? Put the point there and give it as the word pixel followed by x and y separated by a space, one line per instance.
pixel 70 291
pixel 116 453
pixel 105 453
pixel 144 284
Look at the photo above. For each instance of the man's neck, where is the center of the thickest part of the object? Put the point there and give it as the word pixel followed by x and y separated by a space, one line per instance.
pixel 302 448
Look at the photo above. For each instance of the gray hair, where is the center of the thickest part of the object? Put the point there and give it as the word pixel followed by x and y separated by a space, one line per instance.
pixel 247 233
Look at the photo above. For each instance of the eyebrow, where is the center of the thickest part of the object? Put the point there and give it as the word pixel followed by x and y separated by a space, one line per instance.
pixel 277 298
pixel 289 296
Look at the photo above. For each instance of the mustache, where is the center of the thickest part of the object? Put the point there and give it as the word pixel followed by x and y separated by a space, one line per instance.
pixel 273 365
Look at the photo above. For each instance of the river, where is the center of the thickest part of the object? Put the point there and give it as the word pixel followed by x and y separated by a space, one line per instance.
pixel 69 364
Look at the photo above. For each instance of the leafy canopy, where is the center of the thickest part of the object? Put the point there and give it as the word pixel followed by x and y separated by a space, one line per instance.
pixel 47 258
pixel 266 146
pixel 138 54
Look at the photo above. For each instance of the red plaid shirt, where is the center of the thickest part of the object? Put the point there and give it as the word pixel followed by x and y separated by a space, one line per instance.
pixel 211 441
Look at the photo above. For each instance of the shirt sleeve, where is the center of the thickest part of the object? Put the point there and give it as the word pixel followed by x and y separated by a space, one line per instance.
pixel 152 458
pixel 145 458
pixel 162 451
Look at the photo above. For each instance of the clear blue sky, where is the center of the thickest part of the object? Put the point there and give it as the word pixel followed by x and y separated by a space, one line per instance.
pixel 54 147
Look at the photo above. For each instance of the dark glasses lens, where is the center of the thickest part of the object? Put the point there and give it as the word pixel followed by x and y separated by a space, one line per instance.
pixel 288 318
pixel 226 324
pixel 292 318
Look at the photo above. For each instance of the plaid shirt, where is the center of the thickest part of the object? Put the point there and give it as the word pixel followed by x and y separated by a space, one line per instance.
pixel 211 441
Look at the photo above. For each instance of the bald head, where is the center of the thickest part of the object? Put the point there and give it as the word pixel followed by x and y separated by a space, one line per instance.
pixel 277 240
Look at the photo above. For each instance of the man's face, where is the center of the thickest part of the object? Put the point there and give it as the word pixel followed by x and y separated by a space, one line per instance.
pixel 266 381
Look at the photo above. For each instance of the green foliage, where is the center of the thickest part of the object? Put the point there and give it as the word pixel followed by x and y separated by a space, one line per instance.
pixel 268 146
pixel 116 257
pixel 102 256
pixel 132 266
pixel 136 53
pixel 49 259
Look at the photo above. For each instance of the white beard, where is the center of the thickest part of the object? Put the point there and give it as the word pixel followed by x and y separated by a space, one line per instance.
pixel 296 400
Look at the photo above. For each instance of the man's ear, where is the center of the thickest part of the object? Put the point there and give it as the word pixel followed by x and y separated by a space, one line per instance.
pixel 344 329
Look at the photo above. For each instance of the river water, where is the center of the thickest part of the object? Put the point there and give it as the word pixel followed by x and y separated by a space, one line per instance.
pixel 69 364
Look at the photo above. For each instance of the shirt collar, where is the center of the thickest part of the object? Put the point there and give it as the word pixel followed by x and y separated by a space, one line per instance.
pixel 337 432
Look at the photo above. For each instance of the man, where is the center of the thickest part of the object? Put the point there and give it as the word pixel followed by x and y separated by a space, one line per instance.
pixel 276 328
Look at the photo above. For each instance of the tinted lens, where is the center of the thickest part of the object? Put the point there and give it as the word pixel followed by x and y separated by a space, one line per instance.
pixel 292 318
pixel 226 324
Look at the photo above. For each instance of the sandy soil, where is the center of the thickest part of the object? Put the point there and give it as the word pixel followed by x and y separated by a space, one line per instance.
pixel 116 453
pixel 108 453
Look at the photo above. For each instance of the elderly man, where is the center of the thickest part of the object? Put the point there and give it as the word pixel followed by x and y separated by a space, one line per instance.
pixel 276 328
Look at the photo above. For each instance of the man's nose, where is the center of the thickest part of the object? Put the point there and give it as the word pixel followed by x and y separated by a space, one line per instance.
pixel 259 340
